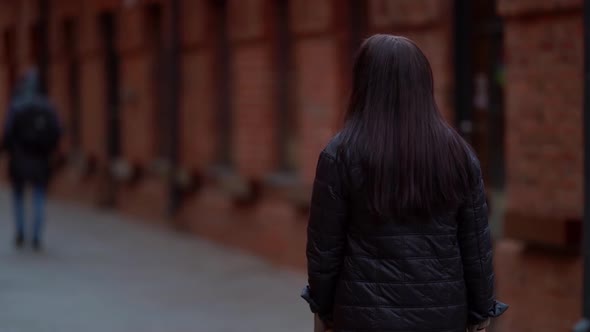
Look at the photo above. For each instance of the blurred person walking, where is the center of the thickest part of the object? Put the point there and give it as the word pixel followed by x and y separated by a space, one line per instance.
pixel 31 135
pixel 398 236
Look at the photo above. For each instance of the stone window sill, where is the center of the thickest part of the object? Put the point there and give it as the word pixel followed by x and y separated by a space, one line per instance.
pixel 233 184
pixel 288 186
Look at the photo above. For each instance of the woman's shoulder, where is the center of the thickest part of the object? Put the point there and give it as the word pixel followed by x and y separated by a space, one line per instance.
pixel 334 147
pixel 473 160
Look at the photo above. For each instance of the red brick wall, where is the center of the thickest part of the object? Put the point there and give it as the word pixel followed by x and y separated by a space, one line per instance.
pixel 253 99
pixel 543 121
pixel 543 289
pixel 137 98
pixel 198 110
pixel 71 181
pixel 319 100
pixel 544 61
pixel 92 85
pixel 543 104
pixel 199 94
pixel 318 95
pixel 148 198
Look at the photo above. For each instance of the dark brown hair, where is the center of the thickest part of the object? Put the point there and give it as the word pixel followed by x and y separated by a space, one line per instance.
pixel 414 163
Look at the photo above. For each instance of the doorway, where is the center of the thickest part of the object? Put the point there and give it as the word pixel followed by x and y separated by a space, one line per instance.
pixel 479 93
pixel 70 35
pixel 108 31
pixel 285 77
pixel 154 32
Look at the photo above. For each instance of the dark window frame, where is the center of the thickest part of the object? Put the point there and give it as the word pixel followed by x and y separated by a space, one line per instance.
pixel 108 29
pixel 69 30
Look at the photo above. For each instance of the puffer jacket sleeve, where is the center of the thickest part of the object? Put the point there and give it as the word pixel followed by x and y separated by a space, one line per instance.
pixel 476 251
pixel 326 234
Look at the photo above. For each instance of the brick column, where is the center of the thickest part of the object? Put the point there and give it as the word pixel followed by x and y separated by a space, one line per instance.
pixel 544 61
pixel 198 108
pixel 253 94
pixel 148 197
pixel 138 129
pixel 318 97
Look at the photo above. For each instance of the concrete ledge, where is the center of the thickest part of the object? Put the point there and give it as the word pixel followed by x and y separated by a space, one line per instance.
pixel 512 8
pixel 544 231
pixel 290 188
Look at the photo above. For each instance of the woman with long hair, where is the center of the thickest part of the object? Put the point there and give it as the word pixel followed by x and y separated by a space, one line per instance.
pixel 398 237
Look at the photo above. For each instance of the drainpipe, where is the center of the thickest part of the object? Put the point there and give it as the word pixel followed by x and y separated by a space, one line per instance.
pixel 462 63
pixel 584 324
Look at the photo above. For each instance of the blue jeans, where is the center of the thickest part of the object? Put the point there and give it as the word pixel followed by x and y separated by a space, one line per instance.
pixel 38 210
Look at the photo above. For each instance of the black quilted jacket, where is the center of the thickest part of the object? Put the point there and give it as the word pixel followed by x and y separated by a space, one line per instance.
pixel 366 275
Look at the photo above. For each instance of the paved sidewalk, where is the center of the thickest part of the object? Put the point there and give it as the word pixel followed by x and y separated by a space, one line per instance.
pixel 102 273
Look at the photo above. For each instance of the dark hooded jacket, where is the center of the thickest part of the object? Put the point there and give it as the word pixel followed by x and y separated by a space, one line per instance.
pixel 27 165
pixel 370 275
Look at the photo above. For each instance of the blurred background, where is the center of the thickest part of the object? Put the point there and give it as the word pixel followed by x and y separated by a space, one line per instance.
pixel 206 117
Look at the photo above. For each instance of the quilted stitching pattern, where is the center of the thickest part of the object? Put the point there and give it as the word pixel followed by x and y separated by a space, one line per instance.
pixel 367 275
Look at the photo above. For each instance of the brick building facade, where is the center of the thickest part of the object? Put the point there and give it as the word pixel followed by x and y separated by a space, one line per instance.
pixel 262 85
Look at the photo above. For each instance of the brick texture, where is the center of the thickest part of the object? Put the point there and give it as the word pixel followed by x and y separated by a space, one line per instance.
pixel 138 125
pixel 198 111
pixel 309 16
pixel 195 21
pixel 246 19
pixel 93 107
pixel 254 112
pixel 544 60
pixel 387 13
pixel 543 288
pixel 543 43
pixel 528 7
pixel 317 99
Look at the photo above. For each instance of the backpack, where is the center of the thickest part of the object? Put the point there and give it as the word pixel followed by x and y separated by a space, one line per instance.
pixel 36 130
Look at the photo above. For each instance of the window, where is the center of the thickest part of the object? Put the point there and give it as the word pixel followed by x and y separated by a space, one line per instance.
pixel 479 92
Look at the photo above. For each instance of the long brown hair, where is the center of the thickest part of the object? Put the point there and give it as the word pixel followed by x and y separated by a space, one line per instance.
pixel 414 163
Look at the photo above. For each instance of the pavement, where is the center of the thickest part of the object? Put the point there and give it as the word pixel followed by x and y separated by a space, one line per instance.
pixel 101 272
